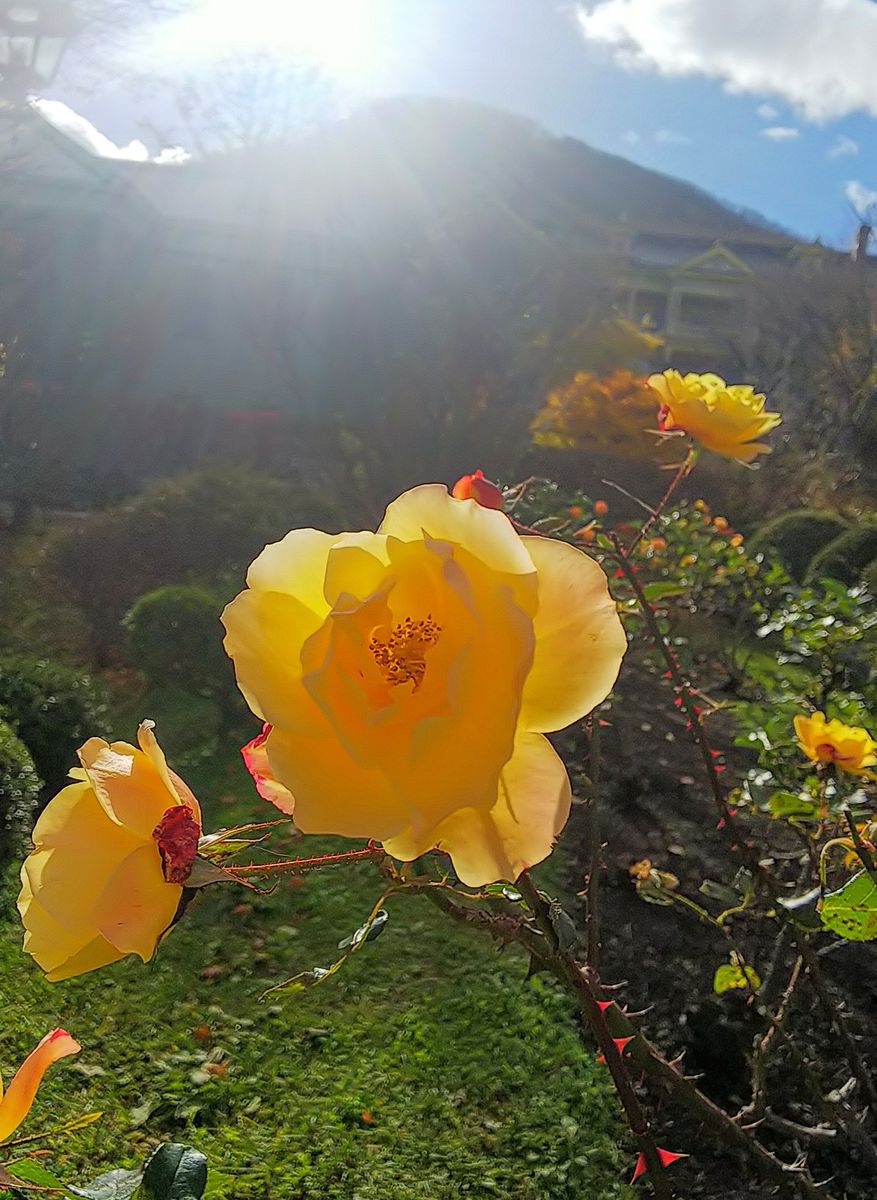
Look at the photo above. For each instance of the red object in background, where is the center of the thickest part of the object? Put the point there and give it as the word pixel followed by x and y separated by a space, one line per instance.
pixel 601 508
pixel 476 487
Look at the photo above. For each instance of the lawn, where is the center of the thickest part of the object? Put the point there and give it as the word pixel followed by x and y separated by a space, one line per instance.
pixel 430 1067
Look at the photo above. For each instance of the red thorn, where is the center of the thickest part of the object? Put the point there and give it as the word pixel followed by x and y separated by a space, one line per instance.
pixel 601 1059
pixel 718 768
pixel 604 1004
pixel 666 1157
pixel 667 675
pixel 677 700
pixel 620 1043
pixel 716 753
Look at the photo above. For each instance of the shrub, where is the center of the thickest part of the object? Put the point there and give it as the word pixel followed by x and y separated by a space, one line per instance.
pixel 53 709
pixel 174 636
pixel 203 527
pixel 846 557
pixel 19 792
pixel 187 725
pixel 795 537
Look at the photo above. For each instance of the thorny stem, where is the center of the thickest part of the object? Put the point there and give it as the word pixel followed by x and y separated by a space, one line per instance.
pixel 682 470
pixel 586 988
pixel 861 849
pixel 294 866
pixel 743 848
pixel 595 849
pixel 636 1117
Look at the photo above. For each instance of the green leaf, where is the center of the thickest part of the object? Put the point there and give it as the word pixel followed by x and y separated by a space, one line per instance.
pixel 658 591
pixel 803 910
pixel 851 911
pixel 732 975
pixel 367 932
pixel 174 1172
pixel 788 804
pixel 30 1171
pixel 113 1185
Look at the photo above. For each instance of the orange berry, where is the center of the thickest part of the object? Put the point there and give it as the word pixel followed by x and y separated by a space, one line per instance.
pixel 658 543
pixel 601 508
pixel 720 523
pixel 737 540
pixel 575 510
pixel 585 534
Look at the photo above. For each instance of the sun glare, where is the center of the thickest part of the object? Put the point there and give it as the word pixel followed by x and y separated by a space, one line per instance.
pixel 342 38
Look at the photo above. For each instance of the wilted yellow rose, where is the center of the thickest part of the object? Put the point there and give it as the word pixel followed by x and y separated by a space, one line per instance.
pixel 408 676
pixel 15 1102
pixel 111 852
pixel 849 747
pixel 724 418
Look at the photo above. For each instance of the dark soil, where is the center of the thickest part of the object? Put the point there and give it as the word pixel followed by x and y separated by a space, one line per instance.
pixel 655 804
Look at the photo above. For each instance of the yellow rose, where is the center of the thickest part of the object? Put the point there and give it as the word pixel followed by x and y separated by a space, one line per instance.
pixel 724 418
pixel 111 852
pixel 408 676
pixel 15 1102
pixel 849 747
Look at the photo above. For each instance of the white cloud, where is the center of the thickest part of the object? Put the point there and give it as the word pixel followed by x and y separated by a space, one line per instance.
pixel 669 137
pixel 843 147
pixel 780 133
pixel 817 55
pixel 631 137
pixel 767 112
pixel 81 130
pixel 863 199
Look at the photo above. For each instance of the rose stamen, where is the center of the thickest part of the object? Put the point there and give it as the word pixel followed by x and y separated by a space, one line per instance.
pixel 402 655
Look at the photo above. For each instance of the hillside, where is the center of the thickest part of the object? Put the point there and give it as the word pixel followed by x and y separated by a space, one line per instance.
pixel 415 156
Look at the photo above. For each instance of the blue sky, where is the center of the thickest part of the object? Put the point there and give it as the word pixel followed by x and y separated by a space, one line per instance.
pixel 769 104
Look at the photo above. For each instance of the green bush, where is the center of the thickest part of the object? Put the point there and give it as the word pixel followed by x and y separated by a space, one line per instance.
pixel 796 536
pixel 19 792
pixel 174 637
pixel 202 528
pixel 187 725
pixel 53 709
pixel 846 557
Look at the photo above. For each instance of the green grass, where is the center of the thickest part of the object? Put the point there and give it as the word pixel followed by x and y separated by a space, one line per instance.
pixel 429 1067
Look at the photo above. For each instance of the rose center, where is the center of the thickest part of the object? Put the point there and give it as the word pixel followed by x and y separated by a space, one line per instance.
pixel 401 653
pixel 827 752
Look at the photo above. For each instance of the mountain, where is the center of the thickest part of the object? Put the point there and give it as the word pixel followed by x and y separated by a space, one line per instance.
pixel 418 156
